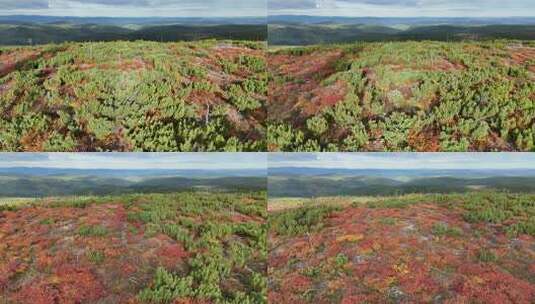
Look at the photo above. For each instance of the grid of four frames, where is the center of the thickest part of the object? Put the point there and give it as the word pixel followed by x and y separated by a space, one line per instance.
pixel 267 151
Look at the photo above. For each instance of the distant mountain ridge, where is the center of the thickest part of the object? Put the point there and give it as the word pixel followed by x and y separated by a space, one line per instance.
pixel 190 173
pixel 310 171
pixel 54 185
pixel 390 21
pixel 307 30
pixel 307 182
pixel 24 30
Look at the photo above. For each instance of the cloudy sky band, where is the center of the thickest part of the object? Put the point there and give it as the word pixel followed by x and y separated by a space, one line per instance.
pixel 446 161
pixel 249 8
pixel 221 161
pixel 403 8
pixel 135 8
pixel 185 161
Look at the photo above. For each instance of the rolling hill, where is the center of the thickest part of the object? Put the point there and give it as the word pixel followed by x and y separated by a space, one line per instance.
pixel 307 30
pixel 30 34
pixel 86 183
pixel 396 182
pixel 282 34
pixel 396 21
pixel 29 30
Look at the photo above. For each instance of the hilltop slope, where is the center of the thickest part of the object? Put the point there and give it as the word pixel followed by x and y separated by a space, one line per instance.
pixel 403 96
pixel 133 96
pixel 475 247
pixel 173 248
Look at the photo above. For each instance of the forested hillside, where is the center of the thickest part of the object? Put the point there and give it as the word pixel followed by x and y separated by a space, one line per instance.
pixel 27 30
pixel 307 34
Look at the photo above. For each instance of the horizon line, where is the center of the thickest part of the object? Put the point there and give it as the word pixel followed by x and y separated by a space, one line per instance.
pixel 132 17
pixel 262 16
pixel 403 17
pixel 397 169
pixel 137 169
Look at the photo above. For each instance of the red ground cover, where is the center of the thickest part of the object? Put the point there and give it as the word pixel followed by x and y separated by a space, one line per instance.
pixel 365 255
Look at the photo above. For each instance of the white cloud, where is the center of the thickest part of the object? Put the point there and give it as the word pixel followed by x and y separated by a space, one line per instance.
pixel 404 160
pixel 135 160
pixel 23 4
pixel 405 8
pixel 135 8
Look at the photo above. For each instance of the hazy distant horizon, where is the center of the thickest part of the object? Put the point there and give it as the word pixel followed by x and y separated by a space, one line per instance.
pixel 384 174
pixel 398 20
pixel 136 17
pixel 269 16
pixel 404 161
pixel 402 17
pixel 134 8
pixel 135 161
pixel 406 8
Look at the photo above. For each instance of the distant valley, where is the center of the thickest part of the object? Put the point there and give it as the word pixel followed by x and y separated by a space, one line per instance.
pixel 30 30
pixel 43 182
pixel 306 30
pixel 329 182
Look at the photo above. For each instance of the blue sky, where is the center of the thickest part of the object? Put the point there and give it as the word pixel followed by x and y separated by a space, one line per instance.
pixel 404 8
pixel 220 161
pixel 404 160
pixel 237 8
pixel 216 161
pixel 135 8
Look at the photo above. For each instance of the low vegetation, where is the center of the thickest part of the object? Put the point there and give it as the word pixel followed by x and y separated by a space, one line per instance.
pixel 300 221
pixel 134 96
pixel 403 96
pixel 425 248
pixel 188 247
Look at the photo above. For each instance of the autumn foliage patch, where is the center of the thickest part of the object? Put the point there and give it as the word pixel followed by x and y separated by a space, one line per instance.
pixel 134 96
pixel 411 249
pixel 403 96
pixel 152 248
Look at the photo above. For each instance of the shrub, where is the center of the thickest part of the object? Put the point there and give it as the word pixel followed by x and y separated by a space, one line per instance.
pixel 96 257
pixel 441 229
pixel 166 288
pixel 486 256
pixel 300 221
pixel 92 231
